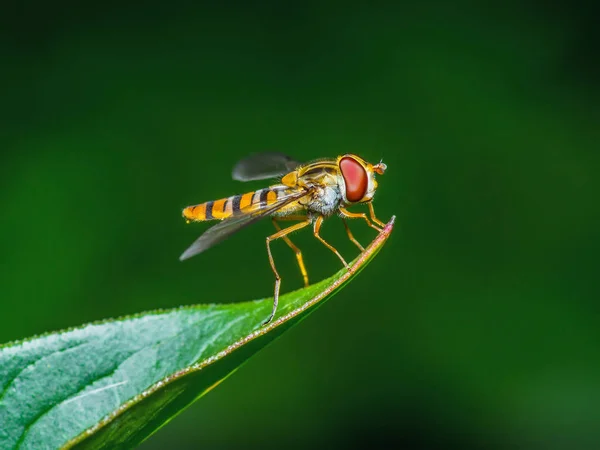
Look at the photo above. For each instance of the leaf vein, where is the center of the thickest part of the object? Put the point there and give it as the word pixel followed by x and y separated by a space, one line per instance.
pixel 111 373
pixel 38 360
pixel 42 413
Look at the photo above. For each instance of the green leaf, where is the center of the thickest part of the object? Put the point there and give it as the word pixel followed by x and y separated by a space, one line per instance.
pixel 112 384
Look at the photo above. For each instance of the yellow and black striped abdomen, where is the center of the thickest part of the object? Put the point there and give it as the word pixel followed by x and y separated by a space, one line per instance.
pixel 234 205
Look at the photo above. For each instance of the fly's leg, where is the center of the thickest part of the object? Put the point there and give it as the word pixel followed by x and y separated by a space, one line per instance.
pixel 351 237
pixel 373 218
pixel 290 244
pixel 316 230
pixel 273 237
pixel 351 215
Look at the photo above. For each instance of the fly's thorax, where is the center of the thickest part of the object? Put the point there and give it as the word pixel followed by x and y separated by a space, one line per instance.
pixel 291 179
pixel 325 199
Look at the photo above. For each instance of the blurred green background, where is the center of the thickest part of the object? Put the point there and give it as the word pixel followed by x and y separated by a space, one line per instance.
pixel 477 324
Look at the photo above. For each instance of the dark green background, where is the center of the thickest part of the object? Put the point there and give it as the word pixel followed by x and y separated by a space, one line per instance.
pixel 477 326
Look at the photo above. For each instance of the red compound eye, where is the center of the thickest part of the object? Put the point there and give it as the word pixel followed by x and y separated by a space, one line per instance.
pixel 355 177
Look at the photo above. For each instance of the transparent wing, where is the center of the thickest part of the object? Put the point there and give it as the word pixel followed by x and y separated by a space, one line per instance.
pixel 263 165
pixel 227 227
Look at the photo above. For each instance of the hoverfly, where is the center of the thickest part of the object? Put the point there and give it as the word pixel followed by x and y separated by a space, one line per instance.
pixel 307 193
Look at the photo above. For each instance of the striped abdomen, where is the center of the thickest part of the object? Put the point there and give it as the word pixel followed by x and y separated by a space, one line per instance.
pixel 232 206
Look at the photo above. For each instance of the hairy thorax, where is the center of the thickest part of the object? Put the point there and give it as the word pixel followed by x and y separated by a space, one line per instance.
pixel 324 200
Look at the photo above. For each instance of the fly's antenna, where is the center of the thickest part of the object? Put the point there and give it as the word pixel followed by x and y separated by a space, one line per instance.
pixel 380 167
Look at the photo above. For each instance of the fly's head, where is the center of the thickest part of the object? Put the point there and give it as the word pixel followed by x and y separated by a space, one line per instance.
pixel 357 178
